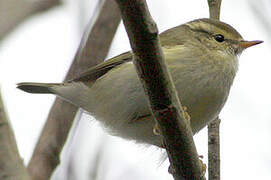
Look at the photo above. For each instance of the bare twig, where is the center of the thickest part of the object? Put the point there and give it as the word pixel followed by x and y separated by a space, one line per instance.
pixel 214 150
pixel 14 12
pixel 213 127
pixel 158 86
pixel 93 49
pixel 214 8
pixel 11 165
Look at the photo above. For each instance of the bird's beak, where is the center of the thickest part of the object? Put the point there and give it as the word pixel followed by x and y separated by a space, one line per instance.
pixel 246 44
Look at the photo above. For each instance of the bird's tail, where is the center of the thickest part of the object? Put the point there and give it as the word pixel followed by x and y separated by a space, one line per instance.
pixel 74 92
pixel 37 88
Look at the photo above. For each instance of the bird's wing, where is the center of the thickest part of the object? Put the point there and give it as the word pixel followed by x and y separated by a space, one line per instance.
pixel 99 70
pixel 170 37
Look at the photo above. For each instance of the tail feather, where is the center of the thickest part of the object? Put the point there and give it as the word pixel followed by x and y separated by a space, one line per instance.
pixel 37 88
pixel 75 92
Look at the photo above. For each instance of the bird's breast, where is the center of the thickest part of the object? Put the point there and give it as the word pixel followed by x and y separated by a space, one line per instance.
pixel 203 89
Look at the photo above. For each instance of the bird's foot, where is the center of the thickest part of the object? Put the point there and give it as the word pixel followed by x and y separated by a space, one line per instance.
pixel 186 114
pixel 156 130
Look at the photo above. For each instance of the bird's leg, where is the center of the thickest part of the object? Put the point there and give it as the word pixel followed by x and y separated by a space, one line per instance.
pixel 156 130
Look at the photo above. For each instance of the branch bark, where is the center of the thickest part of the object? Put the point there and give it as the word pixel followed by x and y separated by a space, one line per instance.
pixel 213 127
pixel 214 8
pixel 93 49
pixel 11 164
pixel 14 12
pixel 158 86
pixel 214 150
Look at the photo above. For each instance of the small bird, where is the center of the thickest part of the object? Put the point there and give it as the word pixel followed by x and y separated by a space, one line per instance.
pixel 202 58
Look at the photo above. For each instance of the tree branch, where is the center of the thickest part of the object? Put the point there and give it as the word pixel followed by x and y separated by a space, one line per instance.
pixel 14 12
pixel 214 8
pixel 158 86
pixel 214 150
pixel 93 49
pixel 11 164
pixel 213 127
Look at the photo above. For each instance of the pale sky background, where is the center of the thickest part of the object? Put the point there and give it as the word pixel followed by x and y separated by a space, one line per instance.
pixel 42 48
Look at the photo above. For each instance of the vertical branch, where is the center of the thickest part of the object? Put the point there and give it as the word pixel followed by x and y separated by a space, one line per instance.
pixel 93 49
pixel 214 8
pixel 11 165
pixel 214 150
pixel 213 127
pixel 160 90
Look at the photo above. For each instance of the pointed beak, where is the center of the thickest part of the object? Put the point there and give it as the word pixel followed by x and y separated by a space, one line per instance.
pixel 246 44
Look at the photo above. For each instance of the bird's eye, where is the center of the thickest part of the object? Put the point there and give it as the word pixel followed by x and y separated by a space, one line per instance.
pixel 219 38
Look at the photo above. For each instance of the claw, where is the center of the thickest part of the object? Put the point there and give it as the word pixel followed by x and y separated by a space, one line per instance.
pixel 186 114
pixel 156 130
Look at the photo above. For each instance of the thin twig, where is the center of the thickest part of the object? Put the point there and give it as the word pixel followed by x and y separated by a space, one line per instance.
pixel 11 164
pixel 163 100
pixel 214 8
pixel 214 150
pixel 213 127
pixel 93 49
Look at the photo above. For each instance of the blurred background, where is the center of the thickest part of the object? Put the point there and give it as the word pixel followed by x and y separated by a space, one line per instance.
pixel 41 50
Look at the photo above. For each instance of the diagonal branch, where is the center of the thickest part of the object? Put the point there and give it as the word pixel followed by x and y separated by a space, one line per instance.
pixel 157 82
pixel 11 164
pixel 213 127
pixel 93 49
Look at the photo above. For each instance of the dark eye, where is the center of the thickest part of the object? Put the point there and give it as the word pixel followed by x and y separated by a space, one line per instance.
pixel 219 38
